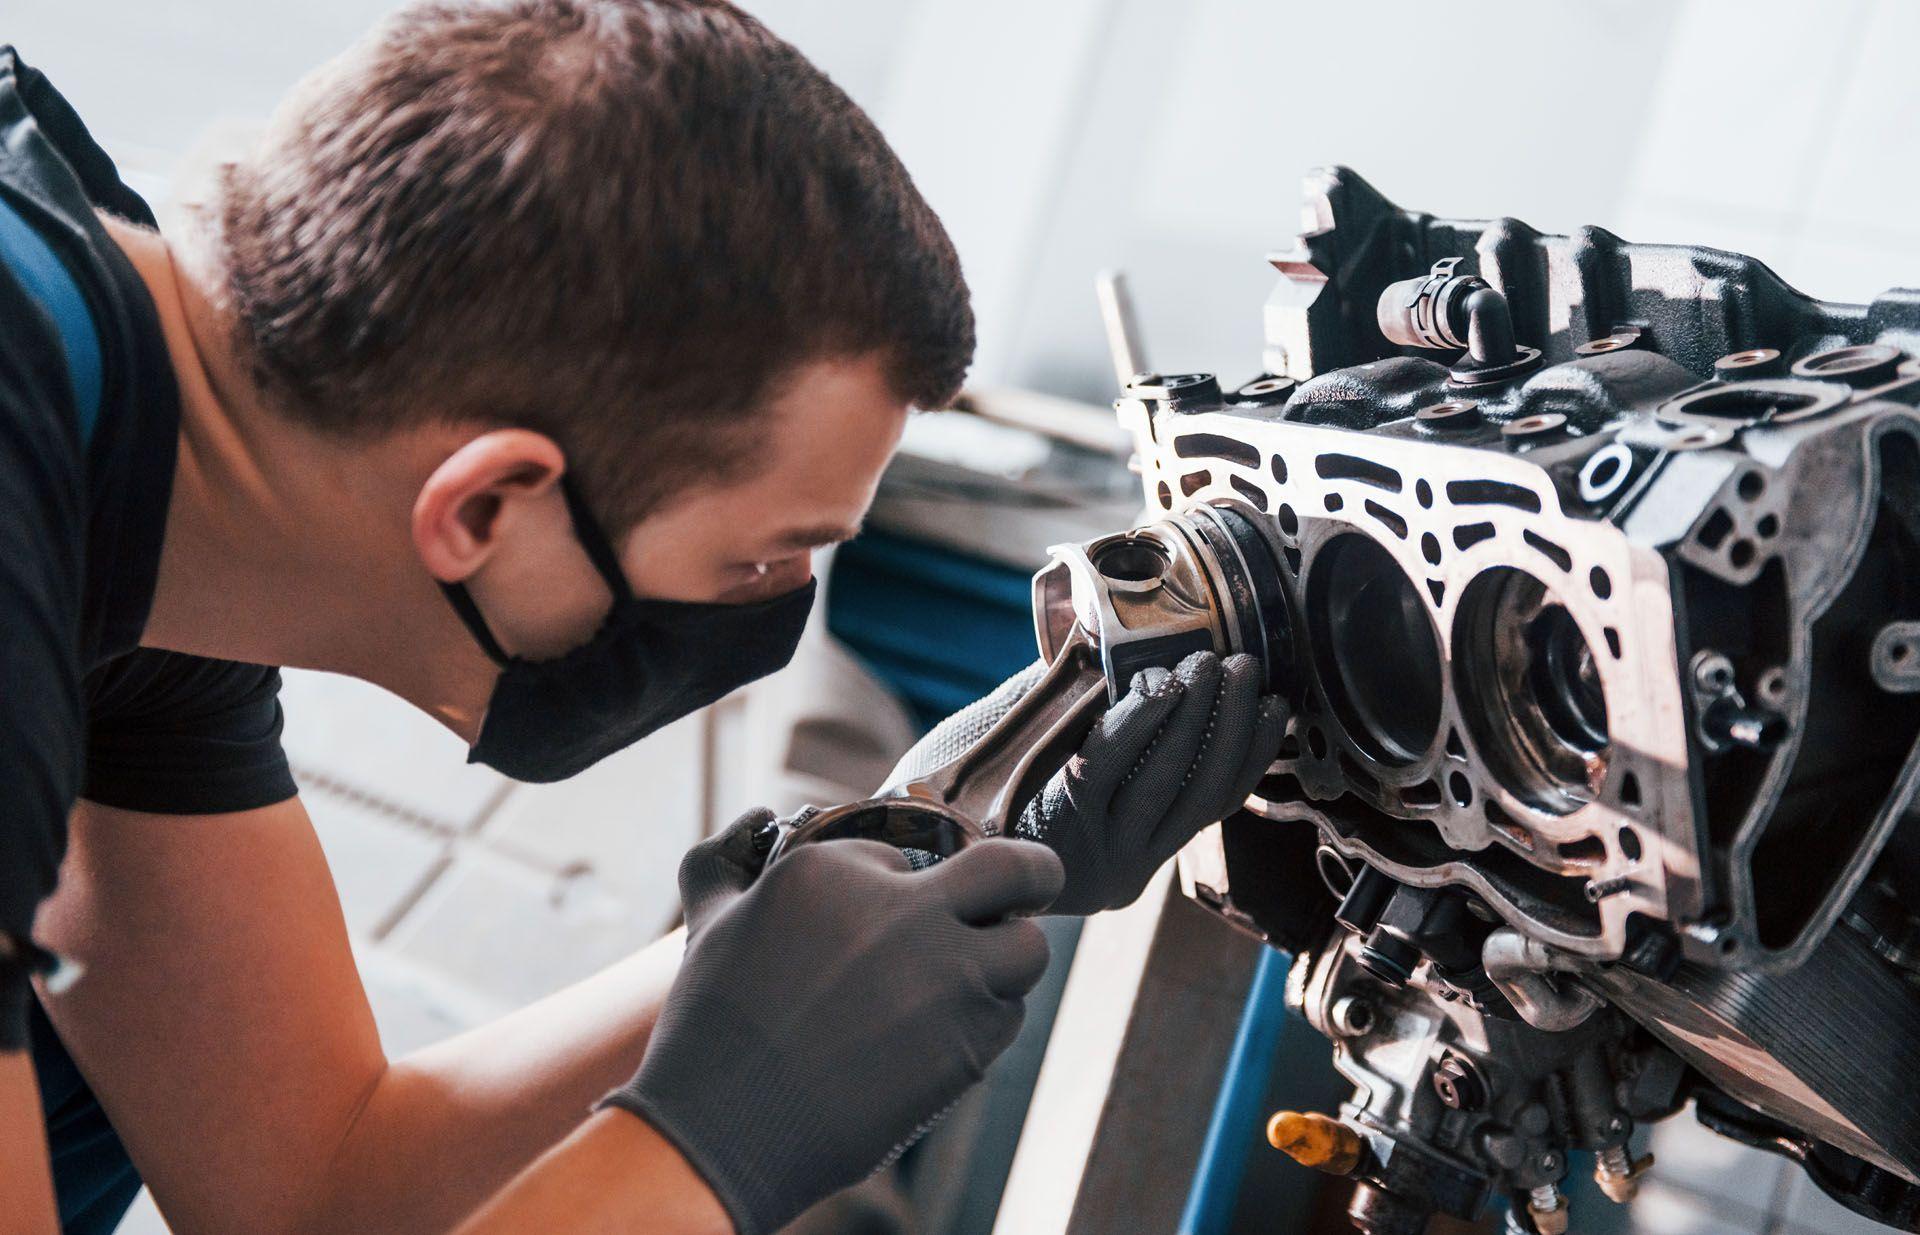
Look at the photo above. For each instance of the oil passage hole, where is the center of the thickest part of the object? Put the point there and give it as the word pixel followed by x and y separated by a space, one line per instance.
pixel 1193 482
pixel 1461 788
pixel 1423 493
pixel 1467 535
pixel 1317 743
pixel 1392 522
pixel 1751 486
pixel 1280 469
pixel 1430 547
pixel 1587 851
pixel 1555 554
pixel 1630 845
pixel 1335 501
pixel 1247 489
pixel 1629 796
pixel 1492 493
pixel 1713 533
pixel 1741 554
pixel 1768 526
pixel 1599 581
pixel 1605 471
pixel 1216 446
pixel 1166 496
pixel 1424 794
pixel 1289 522
pixel 1351 467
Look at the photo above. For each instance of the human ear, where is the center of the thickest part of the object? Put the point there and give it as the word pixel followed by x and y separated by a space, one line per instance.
pixel 476 493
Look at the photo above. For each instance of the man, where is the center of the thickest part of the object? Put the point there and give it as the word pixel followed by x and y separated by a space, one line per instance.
pixel 518 370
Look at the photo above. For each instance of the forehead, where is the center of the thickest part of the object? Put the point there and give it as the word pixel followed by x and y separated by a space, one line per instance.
pixel 821 448
pixel 833 424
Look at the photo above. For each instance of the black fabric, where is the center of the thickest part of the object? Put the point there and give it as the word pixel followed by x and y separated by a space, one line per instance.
pixel 650 663
pixel 183 735
pixel 82 707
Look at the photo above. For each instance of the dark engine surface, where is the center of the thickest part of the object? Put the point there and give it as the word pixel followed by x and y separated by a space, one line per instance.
pixel 1596 563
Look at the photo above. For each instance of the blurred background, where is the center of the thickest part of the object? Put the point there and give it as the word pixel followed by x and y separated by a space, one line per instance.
pixel 1056 137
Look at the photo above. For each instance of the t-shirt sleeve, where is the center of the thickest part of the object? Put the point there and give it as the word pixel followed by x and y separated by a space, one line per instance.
pixel 184 735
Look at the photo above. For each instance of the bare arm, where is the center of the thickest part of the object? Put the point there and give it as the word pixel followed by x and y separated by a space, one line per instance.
pixel 26 1191
pixel 223 1024
pixel 595 1182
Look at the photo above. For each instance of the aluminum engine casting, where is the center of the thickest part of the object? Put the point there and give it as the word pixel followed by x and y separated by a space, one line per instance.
pixel 1592 570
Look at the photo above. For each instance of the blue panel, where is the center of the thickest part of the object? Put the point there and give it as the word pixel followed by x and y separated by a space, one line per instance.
pixel 42 275
pixel 938 627
pixel 1236 1124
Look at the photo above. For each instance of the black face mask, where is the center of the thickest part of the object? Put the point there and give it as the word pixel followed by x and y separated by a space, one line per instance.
pixel 650 663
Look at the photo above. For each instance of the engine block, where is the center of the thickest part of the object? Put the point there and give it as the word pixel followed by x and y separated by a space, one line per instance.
pixel 1595 572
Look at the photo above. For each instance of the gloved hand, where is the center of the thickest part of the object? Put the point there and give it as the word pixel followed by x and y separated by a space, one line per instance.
pixel 1179 751
pixel 829 1011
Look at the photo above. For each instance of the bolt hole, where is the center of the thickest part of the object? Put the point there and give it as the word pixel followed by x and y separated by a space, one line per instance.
pixel 1423 493
pixel 1630 847
pixel 1741 554
pixel 1430 547
pixel 1289 522
pixel 1334 502
pixel 1317 743
pixel 1769 526
pixel 1461 788
pixel 1602 585
pixel 1752 485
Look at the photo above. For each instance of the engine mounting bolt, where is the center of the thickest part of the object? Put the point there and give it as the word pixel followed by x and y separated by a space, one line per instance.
pixel 1600 889
pixel 1452 414
pixel 1315 1140
pixel 1712 671
pixel 1618 1173
pixel 1752 363
pixel 1458 1084
pixel 1351 1016
pixel 1548 1209
pixel 1534 426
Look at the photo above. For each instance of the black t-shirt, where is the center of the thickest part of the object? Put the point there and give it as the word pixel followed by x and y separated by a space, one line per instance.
pixel 89 422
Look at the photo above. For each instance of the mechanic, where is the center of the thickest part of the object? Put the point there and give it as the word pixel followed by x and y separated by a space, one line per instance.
pixel 518 368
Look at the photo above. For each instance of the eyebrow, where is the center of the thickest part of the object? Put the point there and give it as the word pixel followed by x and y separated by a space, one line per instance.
pixel 819 536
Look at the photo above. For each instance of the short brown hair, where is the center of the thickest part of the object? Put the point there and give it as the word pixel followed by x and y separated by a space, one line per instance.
pixel 617 222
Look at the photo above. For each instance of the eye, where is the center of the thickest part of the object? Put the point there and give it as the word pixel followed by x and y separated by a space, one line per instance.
pixel 747 580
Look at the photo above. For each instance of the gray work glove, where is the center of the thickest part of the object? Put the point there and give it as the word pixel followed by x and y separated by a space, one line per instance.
pixel 829 1011
pixel 1180 750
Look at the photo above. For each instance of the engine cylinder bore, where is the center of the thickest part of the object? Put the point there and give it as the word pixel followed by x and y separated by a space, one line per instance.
pixel 1530 690
pixel 1375 649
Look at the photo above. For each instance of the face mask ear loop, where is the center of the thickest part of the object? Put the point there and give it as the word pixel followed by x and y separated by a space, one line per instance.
pixel 469 613
pixel 592 538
